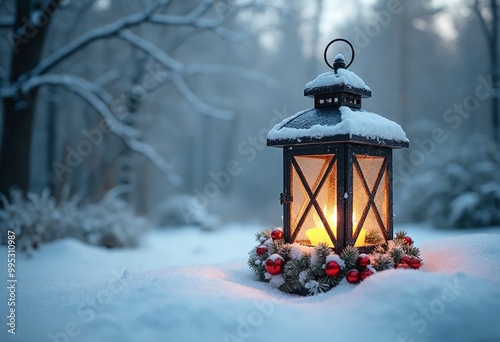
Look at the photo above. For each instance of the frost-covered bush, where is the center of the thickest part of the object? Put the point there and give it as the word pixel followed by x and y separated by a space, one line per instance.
pixel 181 210
pixel 459 190
pixel 39 218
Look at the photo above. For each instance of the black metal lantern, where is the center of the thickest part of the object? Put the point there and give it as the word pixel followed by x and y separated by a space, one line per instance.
pixel 337 165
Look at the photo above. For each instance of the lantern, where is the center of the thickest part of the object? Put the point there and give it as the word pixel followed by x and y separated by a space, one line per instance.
pixel 337 165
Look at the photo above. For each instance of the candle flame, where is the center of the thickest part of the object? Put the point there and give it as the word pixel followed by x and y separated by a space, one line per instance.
pixel 331 218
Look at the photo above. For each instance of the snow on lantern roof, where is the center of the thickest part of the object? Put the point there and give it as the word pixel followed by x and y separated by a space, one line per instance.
pixel 339 80
pixel 342 124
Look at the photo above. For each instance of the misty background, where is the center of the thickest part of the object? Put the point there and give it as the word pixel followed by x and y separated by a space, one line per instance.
pixel 169 115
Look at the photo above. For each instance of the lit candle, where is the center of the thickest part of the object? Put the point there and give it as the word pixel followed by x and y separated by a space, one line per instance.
pixel 360 241
pixel 319 234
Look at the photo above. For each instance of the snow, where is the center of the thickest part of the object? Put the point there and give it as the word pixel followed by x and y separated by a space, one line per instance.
pixel 275 256
pixel 297 251
pixel 339 57
pixel 353 122
pixel 189 285
pixel 336 258
pixel 343 76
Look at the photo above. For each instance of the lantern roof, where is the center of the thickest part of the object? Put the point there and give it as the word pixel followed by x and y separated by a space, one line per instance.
pixel 337 116
pixel 338 80
pixel 341 124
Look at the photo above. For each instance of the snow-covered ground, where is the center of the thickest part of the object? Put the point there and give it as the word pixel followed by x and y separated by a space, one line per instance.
pixel 188 285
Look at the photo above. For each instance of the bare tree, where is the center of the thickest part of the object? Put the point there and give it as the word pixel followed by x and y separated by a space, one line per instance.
pixel 29 70
pixel 489 24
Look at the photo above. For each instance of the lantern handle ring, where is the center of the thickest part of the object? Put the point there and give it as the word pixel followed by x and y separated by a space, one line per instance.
pixel 339 40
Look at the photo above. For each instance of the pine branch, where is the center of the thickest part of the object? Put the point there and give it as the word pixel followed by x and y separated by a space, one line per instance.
pixel 373 236
pixel 396 254
pixel 400 235
pixel 350 255
pixel 411 250
pixel 262 236
pixel 284 250
pixel 380 249
pixel 321 251
pixel 383 262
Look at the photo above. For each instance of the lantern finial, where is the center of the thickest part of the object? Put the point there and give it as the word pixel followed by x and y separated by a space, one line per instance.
pixel 339 62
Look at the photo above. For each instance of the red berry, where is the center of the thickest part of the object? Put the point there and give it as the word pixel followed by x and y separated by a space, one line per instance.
pixel 332 269
pixel 363 260
pixel 352 276
pixel 275 266
pixel 401 265
pixel 276 234
pixel 261 250
pixel 365 273
pixel 408 240
pixel 406 260
pixel 415 263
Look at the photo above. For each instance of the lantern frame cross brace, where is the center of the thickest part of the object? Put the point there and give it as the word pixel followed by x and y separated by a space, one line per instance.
pixel 371 196
pixel 312 198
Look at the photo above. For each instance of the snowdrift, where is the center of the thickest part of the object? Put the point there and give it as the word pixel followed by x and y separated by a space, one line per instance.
pixel 455 297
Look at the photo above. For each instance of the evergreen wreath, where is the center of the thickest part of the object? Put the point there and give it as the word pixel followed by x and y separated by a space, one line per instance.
pixel 304 270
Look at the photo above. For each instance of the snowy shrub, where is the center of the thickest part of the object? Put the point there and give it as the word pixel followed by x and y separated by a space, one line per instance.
pixel 459 190
pixel 39 218
pixel 181 210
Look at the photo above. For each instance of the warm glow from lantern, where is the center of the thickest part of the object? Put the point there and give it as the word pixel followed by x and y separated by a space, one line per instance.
pixel 362 234
pixel 319 234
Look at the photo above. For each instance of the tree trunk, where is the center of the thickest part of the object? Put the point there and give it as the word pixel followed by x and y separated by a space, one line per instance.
pixel 19 110
pixel 495 73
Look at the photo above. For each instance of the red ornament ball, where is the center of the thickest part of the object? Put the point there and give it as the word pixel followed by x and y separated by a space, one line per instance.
pixel 363 260
pixel 408 240
pixel 365 273
pixel 406 260
pixel 352 276
pixel 415 263
pixel 275 266
pixel 403 266
pixel 332 269
pixel 261 250
pixel 276 234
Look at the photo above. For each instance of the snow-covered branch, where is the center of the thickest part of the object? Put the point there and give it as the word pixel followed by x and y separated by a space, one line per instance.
pixel 192 19
pixel 152 50
pixel 99 99
pixel 197 19
pixel 176 68
pixel 154 157
pixel 195 101
pixel 94 95
pixel 96 34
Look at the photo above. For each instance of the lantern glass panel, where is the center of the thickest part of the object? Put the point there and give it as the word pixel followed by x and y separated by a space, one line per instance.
pixel 300 200
pixel 370 200
pixel 382 200
pixel 314 206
